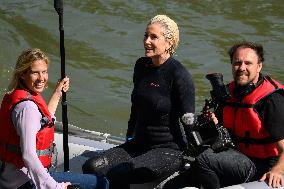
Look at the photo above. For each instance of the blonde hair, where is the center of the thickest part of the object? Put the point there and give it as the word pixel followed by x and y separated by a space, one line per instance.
pixel 24 62
pixel 171 31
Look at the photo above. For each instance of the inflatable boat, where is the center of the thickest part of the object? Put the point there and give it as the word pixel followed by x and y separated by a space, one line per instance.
pixel 84 143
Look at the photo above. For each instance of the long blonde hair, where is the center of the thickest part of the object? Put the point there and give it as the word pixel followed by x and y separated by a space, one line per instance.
pixel 24 62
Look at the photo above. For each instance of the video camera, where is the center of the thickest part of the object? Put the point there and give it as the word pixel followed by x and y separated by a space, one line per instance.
pixel 205 133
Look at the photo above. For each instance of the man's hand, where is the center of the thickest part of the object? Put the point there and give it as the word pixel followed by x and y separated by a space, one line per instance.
pixel 211 116
pixel 275 175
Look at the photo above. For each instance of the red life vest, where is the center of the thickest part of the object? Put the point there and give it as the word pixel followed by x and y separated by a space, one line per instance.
pixel 10 150
pixel 245 124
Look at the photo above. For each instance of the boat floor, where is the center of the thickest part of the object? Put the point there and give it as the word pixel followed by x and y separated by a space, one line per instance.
pixel 81 149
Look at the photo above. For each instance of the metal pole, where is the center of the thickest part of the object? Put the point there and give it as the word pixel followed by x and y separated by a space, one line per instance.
pixel 58 5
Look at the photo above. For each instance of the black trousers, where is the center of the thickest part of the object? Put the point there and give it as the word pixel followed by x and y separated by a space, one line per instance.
pixel 214 170
pixel 131 163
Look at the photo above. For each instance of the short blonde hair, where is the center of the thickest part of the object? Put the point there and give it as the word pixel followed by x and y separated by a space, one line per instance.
pixel 171 31
pixel 24 62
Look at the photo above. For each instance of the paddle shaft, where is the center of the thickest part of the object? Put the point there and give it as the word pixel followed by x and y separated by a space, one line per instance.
pixel 58 5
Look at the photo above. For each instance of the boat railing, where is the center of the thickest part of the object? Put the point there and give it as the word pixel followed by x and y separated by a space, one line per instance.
pixel 88 134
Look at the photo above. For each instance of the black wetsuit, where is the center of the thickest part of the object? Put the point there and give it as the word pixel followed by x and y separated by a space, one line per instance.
pixel 161 95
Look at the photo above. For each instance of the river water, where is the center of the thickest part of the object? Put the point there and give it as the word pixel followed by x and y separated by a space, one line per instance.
pixel 103 39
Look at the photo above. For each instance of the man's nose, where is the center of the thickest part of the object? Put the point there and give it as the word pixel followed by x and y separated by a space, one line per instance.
pixel 242 66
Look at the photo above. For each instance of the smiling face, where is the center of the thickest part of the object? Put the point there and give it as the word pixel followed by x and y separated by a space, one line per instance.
pixel 155 44
pixel 245 66
pixel 36 77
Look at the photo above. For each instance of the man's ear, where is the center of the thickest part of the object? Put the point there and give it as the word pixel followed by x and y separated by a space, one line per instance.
pixel 259 67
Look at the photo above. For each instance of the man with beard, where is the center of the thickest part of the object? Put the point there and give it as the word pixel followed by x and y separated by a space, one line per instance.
pixel 254 117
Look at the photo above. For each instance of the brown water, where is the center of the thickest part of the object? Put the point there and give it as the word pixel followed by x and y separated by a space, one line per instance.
pixel 103 39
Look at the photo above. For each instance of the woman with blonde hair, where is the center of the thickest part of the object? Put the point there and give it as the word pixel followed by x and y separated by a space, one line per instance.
pixel 163 95
pixel 27 129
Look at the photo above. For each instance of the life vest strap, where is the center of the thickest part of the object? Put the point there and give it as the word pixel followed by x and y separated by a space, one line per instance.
pixel 254 141
pixel 46 152
pixel 239 105
pixel 44 121
pixel 271 81
pixel 15 149
pixel 43 152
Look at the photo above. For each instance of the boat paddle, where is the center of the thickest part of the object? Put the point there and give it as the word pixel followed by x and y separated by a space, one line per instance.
pixel 58 5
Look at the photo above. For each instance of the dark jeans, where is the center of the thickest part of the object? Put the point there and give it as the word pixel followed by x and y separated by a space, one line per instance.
pixel 130 163
pixel 229 167
pixel 214 170
pixel 85 181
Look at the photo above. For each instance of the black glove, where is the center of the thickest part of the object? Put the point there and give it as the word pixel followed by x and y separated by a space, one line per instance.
pixel 223 140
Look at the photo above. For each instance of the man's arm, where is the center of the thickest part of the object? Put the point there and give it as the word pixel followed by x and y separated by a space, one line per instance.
pixel 275 175
pixel 272 113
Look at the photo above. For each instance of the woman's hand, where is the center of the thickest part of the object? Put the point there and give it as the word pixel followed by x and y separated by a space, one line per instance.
pixel 66 184
pixel 62 85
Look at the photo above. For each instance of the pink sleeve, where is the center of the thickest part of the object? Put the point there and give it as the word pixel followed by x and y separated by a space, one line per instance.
pixel 26 118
